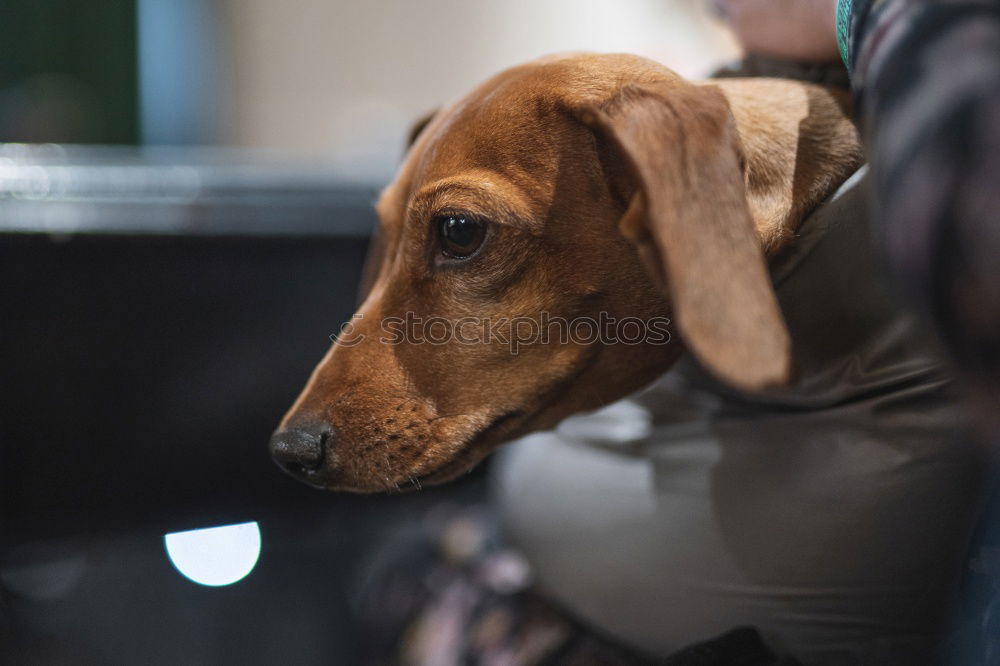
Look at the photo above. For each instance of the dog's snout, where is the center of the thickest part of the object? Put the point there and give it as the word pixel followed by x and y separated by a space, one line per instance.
pixel 297 450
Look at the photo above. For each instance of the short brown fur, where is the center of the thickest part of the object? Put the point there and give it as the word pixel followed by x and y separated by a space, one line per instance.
pixel 612 185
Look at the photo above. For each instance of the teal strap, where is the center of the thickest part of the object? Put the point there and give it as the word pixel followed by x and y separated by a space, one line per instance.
pixel 844 8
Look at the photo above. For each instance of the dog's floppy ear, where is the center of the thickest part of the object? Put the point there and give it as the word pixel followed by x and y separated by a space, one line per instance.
pixel 418 127
pixel 689 218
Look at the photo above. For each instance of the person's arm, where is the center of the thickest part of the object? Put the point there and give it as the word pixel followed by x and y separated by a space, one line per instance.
pixel 926 76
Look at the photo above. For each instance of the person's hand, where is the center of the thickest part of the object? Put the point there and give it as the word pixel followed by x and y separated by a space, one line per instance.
pixel 803 30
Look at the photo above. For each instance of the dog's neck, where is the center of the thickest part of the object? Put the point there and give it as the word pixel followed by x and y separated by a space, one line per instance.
pixel 794 135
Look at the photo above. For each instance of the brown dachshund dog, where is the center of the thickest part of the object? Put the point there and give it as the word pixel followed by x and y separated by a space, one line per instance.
pixel 596 189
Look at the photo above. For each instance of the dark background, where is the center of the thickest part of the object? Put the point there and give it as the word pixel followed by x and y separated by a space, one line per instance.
pixel 160 309
pixel 150 343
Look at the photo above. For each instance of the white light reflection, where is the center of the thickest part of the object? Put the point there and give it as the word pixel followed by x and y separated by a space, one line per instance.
pixel 215 556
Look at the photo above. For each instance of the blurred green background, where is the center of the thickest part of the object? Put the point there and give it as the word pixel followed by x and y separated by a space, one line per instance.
pixel 68 71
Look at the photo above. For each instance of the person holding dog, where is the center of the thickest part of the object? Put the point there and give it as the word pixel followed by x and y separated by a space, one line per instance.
pixel 926 81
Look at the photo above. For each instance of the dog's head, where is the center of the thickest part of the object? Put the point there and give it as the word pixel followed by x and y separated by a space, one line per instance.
pixel 540 235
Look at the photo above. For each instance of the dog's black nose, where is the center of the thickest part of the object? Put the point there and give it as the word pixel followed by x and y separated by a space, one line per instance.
pixel 299 449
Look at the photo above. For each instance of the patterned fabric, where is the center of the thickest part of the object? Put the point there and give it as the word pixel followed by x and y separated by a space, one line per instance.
pixel 844 11
pixel 926 75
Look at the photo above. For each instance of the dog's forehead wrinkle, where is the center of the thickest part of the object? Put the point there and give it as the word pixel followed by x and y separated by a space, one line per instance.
pixel 515 127
pixel 477 192
pixel 518 99
pixel 505 179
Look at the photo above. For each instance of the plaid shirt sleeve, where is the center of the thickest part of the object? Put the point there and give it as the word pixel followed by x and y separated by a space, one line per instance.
pixel 926 77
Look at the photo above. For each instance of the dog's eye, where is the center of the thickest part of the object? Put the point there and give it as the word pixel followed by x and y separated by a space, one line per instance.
pixel 460 236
